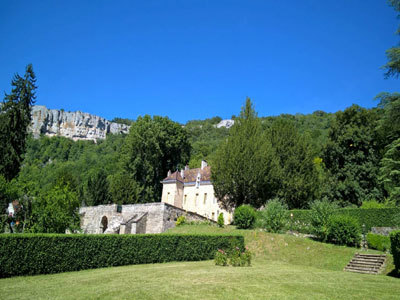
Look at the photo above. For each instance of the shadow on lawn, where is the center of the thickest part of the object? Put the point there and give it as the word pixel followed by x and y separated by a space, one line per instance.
pixel 394 273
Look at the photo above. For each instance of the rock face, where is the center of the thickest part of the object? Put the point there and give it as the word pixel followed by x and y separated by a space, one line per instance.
pixel 228 123
pixel 75 125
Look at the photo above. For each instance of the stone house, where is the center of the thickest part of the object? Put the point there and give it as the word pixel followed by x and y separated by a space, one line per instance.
pixel 193 191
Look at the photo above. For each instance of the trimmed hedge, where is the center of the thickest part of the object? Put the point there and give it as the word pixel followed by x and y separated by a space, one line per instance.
pixel 29 254
pixel 371 217
pixel 378 241
pixel 395 248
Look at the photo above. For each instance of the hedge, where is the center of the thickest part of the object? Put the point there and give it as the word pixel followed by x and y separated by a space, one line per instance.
pixel 29 254
pixel 371 217
pixel 395 248
pixel 378 241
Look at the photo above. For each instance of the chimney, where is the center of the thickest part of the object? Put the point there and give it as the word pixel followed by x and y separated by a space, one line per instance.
pixel 182 173
pixel 169 173
pixel 186 167
pixel 203 164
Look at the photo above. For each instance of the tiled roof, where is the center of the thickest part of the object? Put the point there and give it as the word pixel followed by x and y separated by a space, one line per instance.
pixel 190 175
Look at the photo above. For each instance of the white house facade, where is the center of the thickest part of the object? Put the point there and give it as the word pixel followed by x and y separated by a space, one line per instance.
pixel 192 190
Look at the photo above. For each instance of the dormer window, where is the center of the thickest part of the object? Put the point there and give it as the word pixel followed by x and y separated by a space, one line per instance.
pixel 198 180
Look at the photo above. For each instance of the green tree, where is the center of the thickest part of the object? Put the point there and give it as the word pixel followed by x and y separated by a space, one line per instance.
pixel 15 117
pixel 55 211
pixel 97 190
pixel 393 54
pixel 153 146
pixel 294 178
pixel 239 168
pixel 388 125
pixel 390 171
pixel 352 158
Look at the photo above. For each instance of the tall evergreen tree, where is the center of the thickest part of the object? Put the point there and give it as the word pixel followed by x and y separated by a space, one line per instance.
pixel 15 117
pixel 240 167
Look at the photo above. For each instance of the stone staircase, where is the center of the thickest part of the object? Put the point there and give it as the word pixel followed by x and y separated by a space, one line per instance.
pixel 366 263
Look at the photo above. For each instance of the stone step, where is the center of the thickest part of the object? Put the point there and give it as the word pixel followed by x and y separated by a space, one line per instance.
pixel 366 263
pixel 361 272
pixel 362 267
pixel 370 255
pixel 369 260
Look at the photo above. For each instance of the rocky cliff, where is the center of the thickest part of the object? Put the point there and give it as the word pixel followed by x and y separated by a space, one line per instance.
pixel 75 125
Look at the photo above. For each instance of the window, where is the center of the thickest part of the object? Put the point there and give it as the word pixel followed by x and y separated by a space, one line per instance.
pixel 184 200
pixel 205 198
pixel 213 216
pixel 198 180
pixel 168 197
pixel 195 199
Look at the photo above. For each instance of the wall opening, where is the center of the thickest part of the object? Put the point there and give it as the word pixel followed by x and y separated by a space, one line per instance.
pixel 104 223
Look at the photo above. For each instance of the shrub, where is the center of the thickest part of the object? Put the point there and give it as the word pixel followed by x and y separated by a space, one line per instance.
pixel 181 220
pixel 29 254
pixel 378 242
pixel 344 230
pixel 320 213
pixel 237 258
pixel 221 221
pixel 395 248
pixel 274 216
pixel 372 204
pixel 244 217
pixel 221 258
pixel 372 217
pixel 245 258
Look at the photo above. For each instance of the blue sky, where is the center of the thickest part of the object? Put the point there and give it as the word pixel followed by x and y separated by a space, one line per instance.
pixel 198 59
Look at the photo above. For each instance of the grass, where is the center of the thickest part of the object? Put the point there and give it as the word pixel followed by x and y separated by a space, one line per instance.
pixel 288 248
pixel 284 267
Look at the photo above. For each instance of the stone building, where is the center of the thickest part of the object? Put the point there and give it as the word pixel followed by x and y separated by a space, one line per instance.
pixel 193 191
pixel 132 219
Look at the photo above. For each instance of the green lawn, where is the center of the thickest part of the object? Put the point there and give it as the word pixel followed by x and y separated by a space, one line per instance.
pixel 284 267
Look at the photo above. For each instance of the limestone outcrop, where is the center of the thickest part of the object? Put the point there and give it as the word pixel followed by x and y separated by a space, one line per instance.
pixel 75 125
pixel 228 123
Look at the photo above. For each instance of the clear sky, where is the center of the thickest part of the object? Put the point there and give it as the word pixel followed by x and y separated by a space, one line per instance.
pixel 198 59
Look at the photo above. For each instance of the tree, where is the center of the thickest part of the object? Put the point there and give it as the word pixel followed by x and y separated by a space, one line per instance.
pixel 97 190
pixel 351 156
pixel 240 166
pixel 294 178
pixel 55 211
pixel 15 117
pixel 153 146
pixel 393 54
pixel 390 171
pixel 388 125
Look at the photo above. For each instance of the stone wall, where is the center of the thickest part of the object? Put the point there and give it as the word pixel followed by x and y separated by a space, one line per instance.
pixel 150 218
